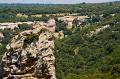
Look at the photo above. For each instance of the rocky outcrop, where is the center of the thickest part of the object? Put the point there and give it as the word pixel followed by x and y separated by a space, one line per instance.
pixel 1 38
pixel 30 55
pixel 98 30
pixel 59 35
pixel 69 20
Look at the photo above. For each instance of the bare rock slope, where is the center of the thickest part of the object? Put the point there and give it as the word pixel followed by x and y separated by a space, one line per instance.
pixel 30 55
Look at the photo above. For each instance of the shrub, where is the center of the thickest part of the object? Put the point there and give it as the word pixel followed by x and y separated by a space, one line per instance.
pixel 29 39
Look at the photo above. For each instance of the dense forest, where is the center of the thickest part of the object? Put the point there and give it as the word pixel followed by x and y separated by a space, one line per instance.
pixel 77 55
pixel 81 57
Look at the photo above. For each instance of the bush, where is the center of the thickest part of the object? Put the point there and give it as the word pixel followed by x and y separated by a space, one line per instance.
pixel 24 27
pixel 30 38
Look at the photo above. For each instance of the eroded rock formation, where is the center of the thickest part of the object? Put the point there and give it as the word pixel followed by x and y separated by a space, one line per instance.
pixel 98 30
pixel 30 55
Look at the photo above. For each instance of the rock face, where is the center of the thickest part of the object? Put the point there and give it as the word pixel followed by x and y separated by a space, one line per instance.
pixel 98 30
pixel 30 55
pixel 69 20
pixel 1 36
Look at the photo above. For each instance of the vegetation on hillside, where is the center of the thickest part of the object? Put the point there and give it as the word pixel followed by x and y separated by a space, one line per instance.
pixel 8 12
pixel 77 55
pixel 82 57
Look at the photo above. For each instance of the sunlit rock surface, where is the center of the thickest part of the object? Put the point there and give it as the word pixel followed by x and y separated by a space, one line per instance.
pixel 30 55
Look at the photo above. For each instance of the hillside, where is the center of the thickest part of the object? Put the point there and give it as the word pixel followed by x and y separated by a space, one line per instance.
pixel 79 57
pixel 8 12
pixel 64 41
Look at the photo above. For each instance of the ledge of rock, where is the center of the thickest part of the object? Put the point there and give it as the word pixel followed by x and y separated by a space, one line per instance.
pixel 30 55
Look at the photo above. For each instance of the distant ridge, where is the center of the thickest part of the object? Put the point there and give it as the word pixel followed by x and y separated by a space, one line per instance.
pixel 30 4
pixel 53 3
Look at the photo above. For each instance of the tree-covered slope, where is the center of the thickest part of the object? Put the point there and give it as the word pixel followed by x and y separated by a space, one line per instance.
pixel 96 57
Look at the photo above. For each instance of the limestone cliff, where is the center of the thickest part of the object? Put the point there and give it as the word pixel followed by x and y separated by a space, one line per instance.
pixel 30 55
